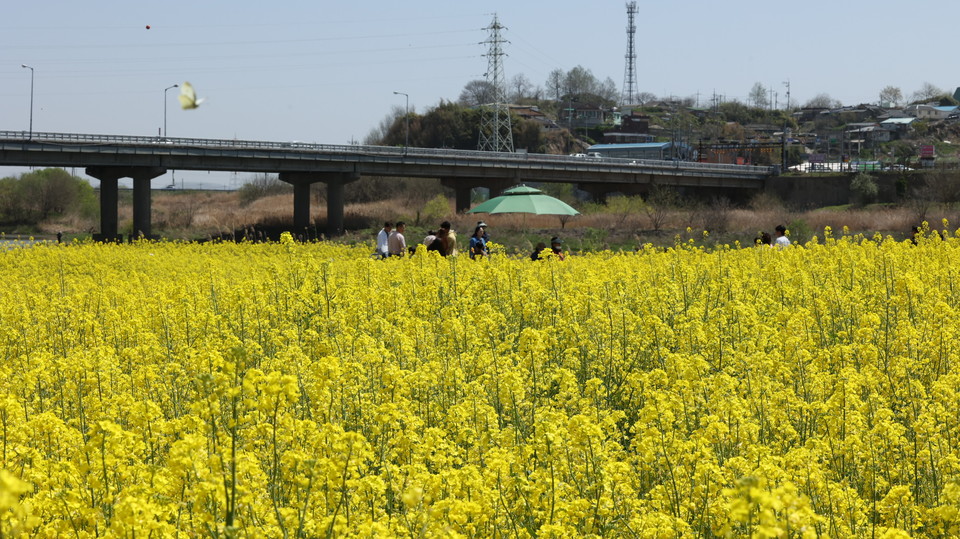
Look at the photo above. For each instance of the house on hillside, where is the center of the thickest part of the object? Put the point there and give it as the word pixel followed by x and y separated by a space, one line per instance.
pixel 533 113
pixel 579 115
pixel 898 126
pixel 762 131
pixel 631 127
pixel 808 114
pixel 930 112
pixel 865 135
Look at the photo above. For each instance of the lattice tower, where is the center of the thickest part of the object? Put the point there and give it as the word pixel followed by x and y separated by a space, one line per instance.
pixel 629 95
pixel 496 133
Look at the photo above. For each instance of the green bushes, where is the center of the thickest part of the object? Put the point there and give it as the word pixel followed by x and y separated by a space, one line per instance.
pixel 38 195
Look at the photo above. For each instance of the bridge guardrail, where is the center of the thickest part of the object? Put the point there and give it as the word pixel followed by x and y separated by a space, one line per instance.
pixel 397 151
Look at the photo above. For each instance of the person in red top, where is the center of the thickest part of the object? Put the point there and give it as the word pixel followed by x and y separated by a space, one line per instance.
pixel 556 245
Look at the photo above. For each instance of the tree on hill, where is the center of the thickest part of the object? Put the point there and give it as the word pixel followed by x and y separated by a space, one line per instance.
pixel 758 96
pixel 555 83
pixel 821 101
pixel 891 96
pixel 449 125
pixel 477 92
pixel 928 92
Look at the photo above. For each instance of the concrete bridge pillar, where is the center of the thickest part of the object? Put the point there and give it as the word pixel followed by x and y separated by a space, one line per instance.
pixel 141 207
pixel 109 206
pixel 302 181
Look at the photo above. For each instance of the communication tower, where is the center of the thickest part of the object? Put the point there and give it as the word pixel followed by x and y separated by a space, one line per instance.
pixel 629 96
pixel 496 133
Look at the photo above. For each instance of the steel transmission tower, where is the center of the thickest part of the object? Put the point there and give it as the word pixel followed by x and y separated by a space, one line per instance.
pixel 496 133
pixel 629 96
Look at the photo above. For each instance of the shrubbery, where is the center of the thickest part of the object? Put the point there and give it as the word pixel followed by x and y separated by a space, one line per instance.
pixel 39 195
pixel 262 186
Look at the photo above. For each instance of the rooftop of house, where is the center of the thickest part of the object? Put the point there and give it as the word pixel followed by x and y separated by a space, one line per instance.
pixel 904 121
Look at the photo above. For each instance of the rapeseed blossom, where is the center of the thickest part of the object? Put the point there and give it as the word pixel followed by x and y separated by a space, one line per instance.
pixel 303 390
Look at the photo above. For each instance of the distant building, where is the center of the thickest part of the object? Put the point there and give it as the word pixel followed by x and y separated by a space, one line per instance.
pixel 930 112
pixel 630 128
pixel 579 115
pixel 618 137
pixel 647 150
pixel 897 126
pixel 533 113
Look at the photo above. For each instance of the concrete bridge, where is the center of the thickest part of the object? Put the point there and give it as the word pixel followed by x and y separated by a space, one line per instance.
pixel 109 158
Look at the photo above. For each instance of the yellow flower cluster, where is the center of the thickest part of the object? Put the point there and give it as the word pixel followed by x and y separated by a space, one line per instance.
pixel 306 390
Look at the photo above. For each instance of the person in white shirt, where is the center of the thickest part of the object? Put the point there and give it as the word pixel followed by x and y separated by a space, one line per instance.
pixel 383 237
pixel 396 243
pixel 782 240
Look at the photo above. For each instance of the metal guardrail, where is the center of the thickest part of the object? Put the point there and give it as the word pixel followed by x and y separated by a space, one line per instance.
pixel 85 139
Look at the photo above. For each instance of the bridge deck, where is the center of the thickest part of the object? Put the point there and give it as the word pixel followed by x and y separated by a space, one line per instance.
pixel 83 150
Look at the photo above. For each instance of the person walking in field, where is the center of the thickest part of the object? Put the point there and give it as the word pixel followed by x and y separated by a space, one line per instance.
pixel 448 239
pixel 396 243
pixel 383 237
pixel 782 240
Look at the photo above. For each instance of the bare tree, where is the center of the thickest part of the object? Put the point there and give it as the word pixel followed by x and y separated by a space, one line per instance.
pixel 758 96
pixel 580 80
pixel 821 101
pixel 379 134
pixel 927 92
pixel 476 92
pixel 555 83
pixel 521 86
pixel 715 217
pixel 608 90
pixel 660 202
pixel 644 97
pixel 891 96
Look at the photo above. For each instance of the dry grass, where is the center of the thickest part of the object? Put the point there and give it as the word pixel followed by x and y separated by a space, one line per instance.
pixel 193 215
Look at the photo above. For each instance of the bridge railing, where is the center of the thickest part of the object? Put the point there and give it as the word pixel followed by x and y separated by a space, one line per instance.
pixel 397 151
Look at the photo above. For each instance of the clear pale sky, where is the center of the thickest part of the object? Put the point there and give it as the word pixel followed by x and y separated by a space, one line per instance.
pixel 321 71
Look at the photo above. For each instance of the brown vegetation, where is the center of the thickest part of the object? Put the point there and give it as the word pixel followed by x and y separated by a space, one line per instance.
pixel 196 215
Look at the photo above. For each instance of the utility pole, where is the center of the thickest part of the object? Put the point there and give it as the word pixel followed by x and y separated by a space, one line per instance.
pixel 787 84
pixel 406 117
pixel 496 133
pixel 25 66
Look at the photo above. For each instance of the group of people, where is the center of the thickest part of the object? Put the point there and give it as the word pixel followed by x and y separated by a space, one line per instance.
pixel 780 241
pixel 556 247
pixel 392 242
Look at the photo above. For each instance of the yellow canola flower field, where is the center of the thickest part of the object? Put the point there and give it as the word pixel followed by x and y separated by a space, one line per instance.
pixel 306 390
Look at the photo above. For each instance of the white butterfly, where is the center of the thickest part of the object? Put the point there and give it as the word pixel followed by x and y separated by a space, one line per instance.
pixel 188 97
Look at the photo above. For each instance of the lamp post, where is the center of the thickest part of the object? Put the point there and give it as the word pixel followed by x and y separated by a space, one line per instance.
pixel 165 108
pixel 31 97
pixel 406 117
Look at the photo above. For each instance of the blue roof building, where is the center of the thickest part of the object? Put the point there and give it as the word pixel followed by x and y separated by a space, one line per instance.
pixel 644 150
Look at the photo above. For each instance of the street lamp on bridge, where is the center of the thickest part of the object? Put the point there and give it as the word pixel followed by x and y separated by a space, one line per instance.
pixel 165 108
pixel 406 117
pixel 31 97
